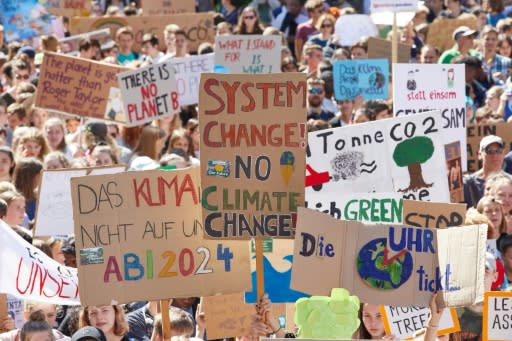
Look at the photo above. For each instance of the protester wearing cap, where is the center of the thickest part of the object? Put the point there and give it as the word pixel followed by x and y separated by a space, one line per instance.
pixel 89 333
pixel 463 37
pixel 491 154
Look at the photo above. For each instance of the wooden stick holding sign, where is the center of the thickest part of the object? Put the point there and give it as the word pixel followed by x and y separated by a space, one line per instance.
pixel 394 42
pixel 260 274
pixel 166 321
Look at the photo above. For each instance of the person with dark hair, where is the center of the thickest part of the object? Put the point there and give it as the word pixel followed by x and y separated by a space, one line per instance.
pixel 289 19
pixel 86 49
pixel 6 163
pixel 230 11
pixel 475 77
pixel 454 9
pixel 150 50
pixel 26 179
pixel 248 23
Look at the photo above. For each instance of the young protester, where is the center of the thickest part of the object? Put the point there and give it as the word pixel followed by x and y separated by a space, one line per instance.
pixel 248 23
pixel 6 163
pixel 103 156
pixel 32 144
pixel 109 318
pixel 26 178
pixel 55 160
pixel 55 133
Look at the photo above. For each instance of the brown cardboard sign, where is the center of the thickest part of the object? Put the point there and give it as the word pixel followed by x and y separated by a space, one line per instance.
pixel 77 86
pixel 227 316
pixel 440 31
pixel 69 8
pixel 433 214
pixel 138 238
pixel 253 140
pixel 477 132
pixel 165 7
pixel 381 48
pixel 198 26
pixel 391 265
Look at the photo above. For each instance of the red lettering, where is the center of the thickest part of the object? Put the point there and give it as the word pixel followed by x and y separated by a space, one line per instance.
pixel 264 87
pixel 242 133
pixel 301 87
pixel 277 95
pixel 18 277
pixel 112 268
pixel 56 291
pixel 206 135
pixel 174 99
pixel 187 186
pixel 228 135
pixel 63 284
pixel 140 192
pixel 288 133
pixel 148 91
pixel 208 84
pixel 231 95
pixel 271 141
pixel 252 104
pixel 132 108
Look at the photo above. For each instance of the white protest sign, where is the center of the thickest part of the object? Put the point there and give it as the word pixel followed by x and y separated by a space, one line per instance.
pixel 370 208
pixel 187 71
pixel 148 93
pixel 351 28
pixel 248 54
pixel 393 5
pixel 403 322
pixel 15 310
pixel 54 215
pixel 424 87
pixel 29 274
pixel 497 317
pixel 403 155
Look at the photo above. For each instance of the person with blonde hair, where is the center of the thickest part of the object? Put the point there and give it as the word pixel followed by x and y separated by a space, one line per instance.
pixel 32 144
pixel 150 143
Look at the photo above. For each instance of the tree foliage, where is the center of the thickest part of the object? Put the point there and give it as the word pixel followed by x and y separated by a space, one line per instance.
pixel 415 150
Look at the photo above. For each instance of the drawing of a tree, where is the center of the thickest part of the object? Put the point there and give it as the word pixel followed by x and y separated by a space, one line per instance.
pixel 412 153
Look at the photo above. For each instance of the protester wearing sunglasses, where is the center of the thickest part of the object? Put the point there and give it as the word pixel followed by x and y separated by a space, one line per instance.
pixel 248 22
pixel 491 153
pixel 316 95
pixel 325 27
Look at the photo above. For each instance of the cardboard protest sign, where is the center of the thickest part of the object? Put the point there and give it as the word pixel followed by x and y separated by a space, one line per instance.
pixel 148 93
pixel 139 230
pixel 54 212
pixel 164 7
pixel 403 155
pixel 403 322
pixel 227 315
pixel 454 165
pixel 370 208
pixel 199 27
pixel 187 72
pixel 440 31
pixel 24 20
pixel 497 317
pixel 70 45
pixel 253 136
pixel 277 266
pixel 77 86
pixel 475 133
pixel 350 28
pixel 3 308
pixel 424 87
pixel 381 48
pixel 388 264
pixel 69 8
pixel 393 5
pixel 433 214
pixel 29 274
pixel 248 54
pixel 368 78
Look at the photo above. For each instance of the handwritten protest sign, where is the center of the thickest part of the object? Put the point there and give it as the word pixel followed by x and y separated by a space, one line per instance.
pixel 433 214
pixel 388 264
pixel 497 317
pixel 393 5
pixel 403 155
pixel 15 310
pixel 28 273
pixel 54 213
pixel 247 54
pixel 253 136
pixel 69 8
pixel 139 230
pixel 70 45
pixel 350 28
pixel 77 86
pixel 368 78
pixel 440 32
pixel 403 322
pixel 199 27
pixel 277 265
pixel 24 19
pixel 148 93
pixel 365 207
pixel 227 315
pixel 164 7
pixel 424 87
pixel 188 74
pixel 475 133
pixel 381 48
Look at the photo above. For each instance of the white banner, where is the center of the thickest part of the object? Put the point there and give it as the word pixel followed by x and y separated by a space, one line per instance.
pixel 28 273
pixel 393 5
pixel 424 87
pixel 188 74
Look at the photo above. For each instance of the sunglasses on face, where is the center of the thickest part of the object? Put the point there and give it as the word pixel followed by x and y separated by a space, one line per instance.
pixel 315 91
pixel 25 77
pixel 326 26
pixel 492 151
pixel 249 17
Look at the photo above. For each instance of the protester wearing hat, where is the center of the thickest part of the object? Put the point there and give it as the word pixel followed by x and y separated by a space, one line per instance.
pixel 68 249
pixel 89 333
pixel 491 154
pixel 463 37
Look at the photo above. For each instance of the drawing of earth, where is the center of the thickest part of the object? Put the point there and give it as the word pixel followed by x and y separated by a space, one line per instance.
pixel 371 268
